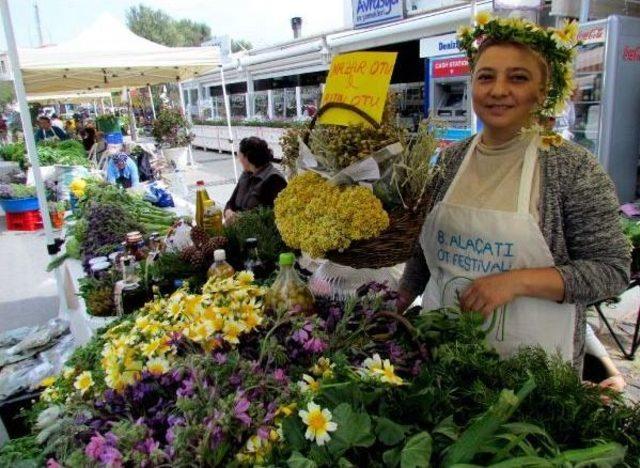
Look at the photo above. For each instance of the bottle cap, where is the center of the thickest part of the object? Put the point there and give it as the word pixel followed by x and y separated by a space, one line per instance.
pixel 200 182
pixel 287 259
pixel 219 255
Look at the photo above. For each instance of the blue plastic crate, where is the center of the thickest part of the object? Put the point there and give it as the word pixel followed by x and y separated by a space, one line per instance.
pixel 20 205
pixel 114 138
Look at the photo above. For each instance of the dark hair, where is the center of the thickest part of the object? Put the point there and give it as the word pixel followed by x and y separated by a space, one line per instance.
pixel 44 117
pixel 256 151
pixel 54 116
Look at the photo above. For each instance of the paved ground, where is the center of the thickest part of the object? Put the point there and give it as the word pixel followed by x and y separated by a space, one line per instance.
pixel 28 293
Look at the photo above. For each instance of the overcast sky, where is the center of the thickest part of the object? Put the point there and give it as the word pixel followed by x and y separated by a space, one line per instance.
pixel 262 22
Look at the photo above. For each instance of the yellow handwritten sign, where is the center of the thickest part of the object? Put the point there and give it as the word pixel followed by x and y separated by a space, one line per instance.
pixel 360 79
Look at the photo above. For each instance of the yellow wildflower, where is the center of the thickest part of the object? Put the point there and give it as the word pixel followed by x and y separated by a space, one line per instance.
pixel 68 372
pixel 286 410
pixel 323 368
pixel 49 395
pixel 482 18
pixel 309 384
pixel 232 330
pixel 157 366
pixel 251 319
pixel 464 30
pixel 48 382
pixel 388 374
pixel 371 366
pixel 158 346
pixel 83 382
pixel 319 424
pixel 245 278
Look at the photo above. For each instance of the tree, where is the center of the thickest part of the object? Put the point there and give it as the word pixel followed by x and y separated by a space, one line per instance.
pixel 158 26
pixel 6 94
pixel 240 44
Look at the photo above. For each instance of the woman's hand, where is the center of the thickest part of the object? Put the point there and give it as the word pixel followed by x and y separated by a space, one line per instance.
pixel 229 216
pixel 488 293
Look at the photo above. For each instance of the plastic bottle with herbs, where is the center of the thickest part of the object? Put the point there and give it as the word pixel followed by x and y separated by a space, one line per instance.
pixel 212 218
pixel 289 292
pixel 220 268
pixel 201 197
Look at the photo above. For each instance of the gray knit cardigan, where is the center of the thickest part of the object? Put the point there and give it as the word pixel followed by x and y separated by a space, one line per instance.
pixel 578 219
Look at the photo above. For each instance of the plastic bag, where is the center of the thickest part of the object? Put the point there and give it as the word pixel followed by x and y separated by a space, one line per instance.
pixel 41 336
pixel 158 196
pixel 11 337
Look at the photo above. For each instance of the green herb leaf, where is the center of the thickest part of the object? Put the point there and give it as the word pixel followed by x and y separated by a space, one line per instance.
pixel 297 460
pixel 417 451
pixel 389 432
pixel 354 430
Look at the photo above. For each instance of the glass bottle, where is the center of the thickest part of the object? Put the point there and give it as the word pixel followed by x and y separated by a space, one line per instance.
pixel 289 292
pixel 253 263
pixel 220 268
pixel 212 218
pixel 201 197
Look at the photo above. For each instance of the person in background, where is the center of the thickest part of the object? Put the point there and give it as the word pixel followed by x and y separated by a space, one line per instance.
pixel 56 122
pixel 123 171
pixel 4 129
pixel 47 131
pixel 88 135
pixel 260 182
pixel 70 128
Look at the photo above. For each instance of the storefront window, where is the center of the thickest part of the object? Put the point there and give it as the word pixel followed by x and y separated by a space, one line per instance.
pixel 261 105
pixel 310 100
pixel 278 103
pixel 290 103
pixel 238 106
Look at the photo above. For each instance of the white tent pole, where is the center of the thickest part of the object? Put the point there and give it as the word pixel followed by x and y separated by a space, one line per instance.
pixel 153 108
pixel 132 117
pixel 95 108
pixel 227 111
pixel 111 101
pixel 53 243
pixel 474 117
pixel 102 106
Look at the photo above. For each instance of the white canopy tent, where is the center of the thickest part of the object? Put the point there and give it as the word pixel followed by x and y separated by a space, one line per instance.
pixel 106 55
pixel 78 97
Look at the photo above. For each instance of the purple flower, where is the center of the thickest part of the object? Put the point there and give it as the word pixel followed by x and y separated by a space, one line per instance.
pixel 149 445
pixel 240 411
pixel 263 433
pixel 280 375
pixel 315 345
pixel 395 351
pixel 95 447
pixel 51 463
pixel 170 436
pixel 175 339
pixel 111 457
pixel 235 380
pixel 216 437
pixel 187 388
pixel 220 358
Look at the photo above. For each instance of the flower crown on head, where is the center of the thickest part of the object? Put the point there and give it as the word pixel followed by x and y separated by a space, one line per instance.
pixel 557 46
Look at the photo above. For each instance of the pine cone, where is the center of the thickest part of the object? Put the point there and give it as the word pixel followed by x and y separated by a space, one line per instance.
pixel 187 254
pixel 198 259
pixel 199 236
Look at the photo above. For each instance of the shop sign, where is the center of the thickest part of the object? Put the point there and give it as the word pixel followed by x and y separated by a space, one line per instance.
pixel 631 53
pixel 456 66
pixel 359 79
pixel 437 46
pixel 592 35
pixel 371 12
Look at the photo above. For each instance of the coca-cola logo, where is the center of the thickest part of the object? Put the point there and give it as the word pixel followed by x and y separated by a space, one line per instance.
pixel 591 35
pixel 631 54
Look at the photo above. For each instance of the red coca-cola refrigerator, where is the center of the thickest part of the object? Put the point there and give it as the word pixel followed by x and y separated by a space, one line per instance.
pixel 604 113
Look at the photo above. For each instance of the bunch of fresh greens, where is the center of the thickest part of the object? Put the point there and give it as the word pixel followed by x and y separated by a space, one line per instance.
pixel 66 153
pixel 16 191
pixel 108 123
pixel 13 152
pixel 258 223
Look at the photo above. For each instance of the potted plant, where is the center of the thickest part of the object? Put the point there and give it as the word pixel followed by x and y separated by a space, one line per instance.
pixel 56 212
pixel 18 198
pixel 171 132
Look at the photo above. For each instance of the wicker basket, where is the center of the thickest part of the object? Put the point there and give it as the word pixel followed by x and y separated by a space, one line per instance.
pixel 393 245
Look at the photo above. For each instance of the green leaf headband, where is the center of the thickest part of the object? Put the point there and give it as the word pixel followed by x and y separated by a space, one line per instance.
pixel 556 46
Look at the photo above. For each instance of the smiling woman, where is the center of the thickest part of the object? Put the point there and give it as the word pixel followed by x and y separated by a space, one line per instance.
pixel 553 205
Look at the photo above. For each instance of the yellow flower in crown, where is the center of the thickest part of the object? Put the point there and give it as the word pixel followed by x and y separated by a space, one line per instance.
pixel 463 30
pixel 157 346
pixel 567 35
pixel 482 18
pixel 549 140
